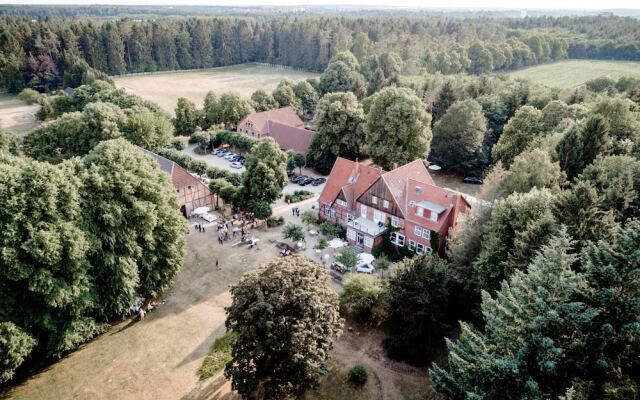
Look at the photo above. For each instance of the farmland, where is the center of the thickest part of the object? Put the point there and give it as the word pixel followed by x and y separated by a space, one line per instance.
pixel 166 88
pixel 572 73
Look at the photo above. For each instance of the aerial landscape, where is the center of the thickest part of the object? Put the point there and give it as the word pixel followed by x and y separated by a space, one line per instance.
pixel 205 201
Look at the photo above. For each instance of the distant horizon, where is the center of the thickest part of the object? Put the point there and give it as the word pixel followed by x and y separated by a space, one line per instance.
pixel 436 5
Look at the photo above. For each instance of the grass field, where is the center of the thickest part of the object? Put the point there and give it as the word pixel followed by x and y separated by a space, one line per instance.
pixel 165 88
pixel 16 116
pixel 572 73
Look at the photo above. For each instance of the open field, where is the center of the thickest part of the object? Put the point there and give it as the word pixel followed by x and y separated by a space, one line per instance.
pixel 16 116
pixel 165 88
pixel 158 358
pixel 572 73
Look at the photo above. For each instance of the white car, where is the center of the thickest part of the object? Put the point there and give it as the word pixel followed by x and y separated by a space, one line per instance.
pixel 229 156
pixel 365 269
pixel 236 165
pixel 219 152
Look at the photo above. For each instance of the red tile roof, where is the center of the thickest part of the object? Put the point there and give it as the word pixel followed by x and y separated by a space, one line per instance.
pixel 452 202
pixel 290 137
pixel 180 177
pixel 396 180
pixel 351 177
pixel 285 116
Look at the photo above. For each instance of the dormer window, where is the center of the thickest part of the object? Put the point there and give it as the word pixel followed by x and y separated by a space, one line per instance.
pixel 434 216
pixel 419 211
pixel 374 200
pixel 418 190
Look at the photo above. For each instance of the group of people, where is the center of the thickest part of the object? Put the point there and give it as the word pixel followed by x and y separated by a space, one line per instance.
pixel 200 227
pixel 223 230
pixel 295 211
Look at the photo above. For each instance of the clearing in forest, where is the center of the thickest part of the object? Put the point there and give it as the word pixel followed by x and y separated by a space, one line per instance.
pixel 573 73
pixel 16 116
pixel 166 87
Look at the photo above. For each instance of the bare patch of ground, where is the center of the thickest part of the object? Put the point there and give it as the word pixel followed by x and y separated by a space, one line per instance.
pixel 165 88
pixel 16 116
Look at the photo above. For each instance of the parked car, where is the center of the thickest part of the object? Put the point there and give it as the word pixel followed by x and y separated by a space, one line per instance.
pixel 472 179
pixel 339 267
pixel 318 181
pixel 365 269
pixel 236 158
pixel 220 152
pixel 230 156
pixel 305 181
pixel 298 178
pixel 236 165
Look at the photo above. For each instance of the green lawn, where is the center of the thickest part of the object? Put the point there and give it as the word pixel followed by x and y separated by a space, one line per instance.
pixel 572 73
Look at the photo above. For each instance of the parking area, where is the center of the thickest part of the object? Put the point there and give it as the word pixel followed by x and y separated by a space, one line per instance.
pixel 220 162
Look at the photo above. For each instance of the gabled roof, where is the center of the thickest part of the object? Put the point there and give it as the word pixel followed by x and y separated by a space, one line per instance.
pixel 350 177
pixel 284 115
pixel 180 177
pixel 290 137
pixel 443 201
pixel 396 181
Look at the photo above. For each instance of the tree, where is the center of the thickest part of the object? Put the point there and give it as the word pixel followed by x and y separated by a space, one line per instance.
pixel 299 160
pixel 340 133
pixel 138 247
pixel 516 213
pixel 595 138
pixel 532 342
pixel 622 121
pixel 570 152
pixel 340 77
pixel 307 95
pixel 421 308
pixel 266 173
pixel 285 96
pixel 210 110
pixel 480 59
pixel 397 128
pixel 201 138
pixel 272 357
pixel 377 82
pixel 532 169
pixel 147 129
pixel 263 101
pixel 15 347
pixel 521 130
pixel 309 217
pixel 9 142
pixel 293 232
pixel 458 136
pixel 186 119
pixel 446 97
pixel 29 96
pixel 232 109
pixel 364 298
pixel 382 264
pixel 617 181
pixel 348 257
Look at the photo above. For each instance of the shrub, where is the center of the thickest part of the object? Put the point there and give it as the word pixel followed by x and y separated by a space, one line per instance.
pixel 29 96
pixel 331 230
pixel 177 144
pixel 358 375
pixel 364 298
pixel 297 196
pixel 15 347
pixel 273 221
pixel 218 357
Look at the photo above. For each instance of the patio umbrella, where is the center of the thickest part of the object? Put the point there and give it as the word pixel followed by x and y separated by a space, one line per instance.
pixel 201 210
pixel 336 243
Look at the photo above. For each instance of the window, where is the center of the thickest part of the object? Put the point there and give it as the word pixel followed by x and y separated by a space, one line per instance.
pixel 351 234
pixel 327 210
pixel 385 204
pixel 378 216
pixel 397 238
pixel 420 248
pixel 363 211
pixel 434 216
pixel 418 231
pixel 418 190
pixel 350 217
pixel 341 202
pixel 333 213
pixel 368 241
pixel 394 222
pixel 412 245
pixel 426 233
pixel 419 211
pixel 374 199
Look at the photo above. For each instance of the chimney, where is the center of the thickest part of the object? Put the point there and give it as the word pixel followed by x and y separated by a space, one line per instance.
pixel 395 166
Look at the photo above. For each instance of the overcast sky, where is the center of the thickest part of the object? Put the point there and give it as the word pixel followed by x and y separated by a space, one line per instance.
pixel 476 4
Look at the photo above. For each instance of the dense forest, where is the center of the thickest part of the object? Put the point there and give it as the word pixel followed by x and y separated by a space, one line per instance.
pixel 40 53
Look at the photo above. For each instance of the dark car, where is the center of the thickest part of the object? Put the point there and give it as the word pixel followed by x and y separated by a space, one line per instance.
pixel 472 180
pixel 318 181
pixel 299 178
pixel 305 181
pixel 295 178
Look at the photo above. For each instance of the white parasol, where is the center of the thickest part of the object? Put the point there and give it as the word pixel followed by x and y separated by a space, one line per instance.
pixel 200 210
